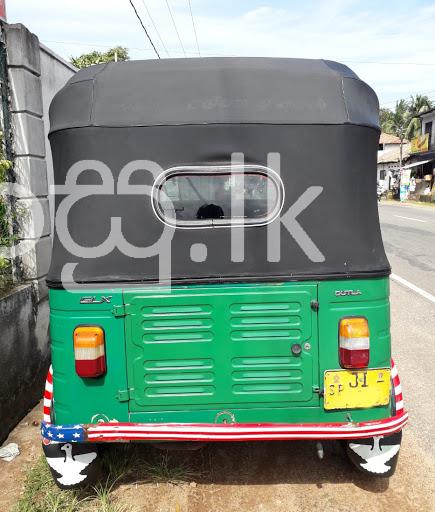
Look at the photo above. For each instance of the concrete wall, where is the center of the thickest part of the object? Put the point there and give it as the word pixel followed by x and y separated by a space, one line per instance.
pixel 429 118
pixel 55 72
pixel 35 74
pixel 24 354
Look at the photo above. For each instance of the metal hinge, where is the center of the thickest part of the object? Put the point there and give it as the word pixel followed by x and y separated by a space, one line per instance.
pixel 318 391
pixel 124 395
pixel 119 311
pixel 314 305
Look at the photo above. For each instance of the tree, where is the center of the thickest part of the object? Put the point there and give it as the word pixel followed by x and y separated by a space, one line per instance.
pixel 119 53
pixel 399 123
pixel 385 118
pixel 417 106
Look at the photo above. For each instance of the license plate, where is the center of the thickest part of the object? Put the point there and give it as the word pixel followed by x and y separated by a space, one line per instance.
pixel 354 389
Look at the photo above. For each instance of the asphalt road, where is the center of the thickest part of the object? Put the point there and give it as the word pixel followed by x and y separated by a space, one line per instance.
pixel 408 232
pixel 409 239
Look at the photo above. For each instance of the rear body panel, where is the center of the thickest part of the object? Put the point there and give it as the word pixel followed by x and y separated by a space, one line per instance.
pixel 214 353
pixel 199 346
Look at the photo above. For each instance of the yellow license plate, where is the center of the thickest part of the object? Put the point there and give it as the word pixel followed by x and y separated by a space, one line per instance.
pixel 353 389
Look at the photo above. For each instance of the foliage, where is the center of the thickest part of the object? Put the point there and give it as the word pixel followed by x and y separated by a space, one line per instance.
pixel 126 465
pixel 417 106
pixel 118 53
pixel 400 119
pixel 6 238
pixel 403 121
pixel 40 494
pixel 385 116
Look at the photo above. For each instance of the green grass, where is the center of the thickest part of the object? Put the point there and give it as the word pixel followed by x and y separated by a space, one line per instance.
pixel 42 495
pixel 124 464
pixel 170 469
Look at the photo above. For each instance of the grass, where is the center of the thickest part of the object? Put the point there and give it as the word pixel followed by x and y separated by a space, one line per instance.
pixel 42 495
pixel 124 464
pixel 169 469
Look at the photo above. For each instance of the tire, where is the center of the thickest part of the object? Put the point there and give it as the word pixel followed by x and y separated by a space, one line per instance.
pixel 375 456
pixel 73 465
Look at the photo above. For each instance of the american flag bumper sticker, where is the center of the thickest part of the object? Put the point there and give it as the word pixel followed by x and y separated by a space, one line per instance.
pixel 63 433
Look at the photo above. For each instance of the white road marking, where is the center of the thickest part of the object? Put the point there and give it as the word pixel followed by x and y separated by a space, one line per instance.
pixel 409 218
pixel 414 288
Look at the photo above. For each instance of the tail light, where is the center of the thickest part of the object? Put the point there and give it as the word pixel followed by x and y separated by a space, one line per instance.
pixel 354 342
pixel 89 352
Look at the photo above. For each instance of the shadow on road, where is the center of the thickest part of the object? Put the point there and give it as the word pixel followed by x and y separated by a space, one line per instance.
pixel 250 464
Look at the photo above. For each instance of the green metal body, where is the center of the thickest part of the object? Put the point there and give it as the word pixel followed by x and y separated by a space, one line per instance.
pixel 204 353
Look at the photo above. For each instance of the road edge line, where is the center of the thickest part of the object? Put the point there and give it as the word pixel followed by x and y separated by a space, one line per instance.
pixel 414 288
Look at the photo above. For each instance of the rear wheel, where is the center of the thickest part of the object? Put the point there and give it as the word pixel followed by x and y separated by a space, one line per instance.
pixel 375 456
pixel 73 465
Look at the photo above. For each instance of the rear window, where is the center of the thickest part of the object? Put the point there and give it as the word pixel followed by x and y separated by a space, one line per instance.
pixel 218 195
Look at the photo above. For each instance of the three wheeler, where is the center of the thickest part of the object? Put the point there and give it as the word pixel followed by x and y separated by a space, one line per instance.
pixel 218 272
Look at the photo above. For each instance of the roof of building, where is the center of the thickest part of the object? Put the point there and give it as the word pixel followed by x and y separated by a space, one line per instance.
pixel 388 138
pixel 393 155
pixel 427 112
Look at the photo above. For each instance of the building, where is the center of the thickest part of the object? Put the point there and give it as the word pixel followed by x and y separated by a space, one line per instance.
pixel 423 156
pixel 389 158
pixel 387 141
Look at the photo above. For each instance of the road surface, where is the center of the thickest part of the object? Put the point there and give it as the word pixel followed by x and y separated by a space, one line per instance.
pixel 409 239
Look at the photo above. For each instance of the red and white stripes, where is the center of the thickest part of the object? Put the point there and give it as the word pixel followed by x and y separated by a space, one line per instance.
pixel 238 432
pixel 48 395
pixel 397 388
pixel 110 432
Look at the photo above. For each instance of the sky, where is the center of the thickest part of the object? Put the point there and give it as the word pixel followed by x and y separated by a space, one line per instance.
pixel 389 44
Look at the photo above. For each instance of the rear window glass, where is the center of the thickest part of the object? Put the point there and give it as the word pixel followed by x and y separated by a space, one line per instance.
pixel 224 195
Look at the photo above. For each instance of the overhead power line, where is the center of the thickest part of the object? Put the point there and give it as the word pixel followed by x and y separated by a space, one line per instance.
pixel 155 27
pixel 391 63
pixel 175 27
pixel 144 29
pixel 194 27
pixel 422 93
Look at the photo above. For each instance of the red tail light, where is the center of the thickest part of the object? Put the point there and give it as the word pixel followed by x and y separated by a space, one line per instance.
pixel 89 352
pixel 354 342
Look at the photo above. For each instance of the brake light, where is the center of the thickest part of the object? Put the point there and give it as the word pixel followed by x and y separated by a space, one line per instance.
pixel 89 352
pixel 354 342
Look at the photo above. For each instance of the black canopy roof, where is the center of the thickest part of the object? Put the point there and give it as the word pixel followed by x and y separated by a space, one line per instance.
pixel 214 90
pixel 318 115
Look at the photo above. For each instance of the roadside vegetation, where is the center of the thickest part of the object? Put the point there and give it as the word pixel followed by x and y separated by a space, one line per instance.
pixel 119 53
pixel 6 237
pixel 123 464
pixel 404 121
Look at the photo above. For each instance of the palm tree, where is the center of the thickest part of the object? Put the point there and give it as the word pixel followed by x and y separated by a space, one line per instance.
pixel 399 123
pixel 417 106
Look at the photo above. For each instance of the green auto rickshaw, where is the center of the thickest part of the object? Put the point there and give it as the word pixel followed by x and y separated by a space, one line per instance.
pixel 218 271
